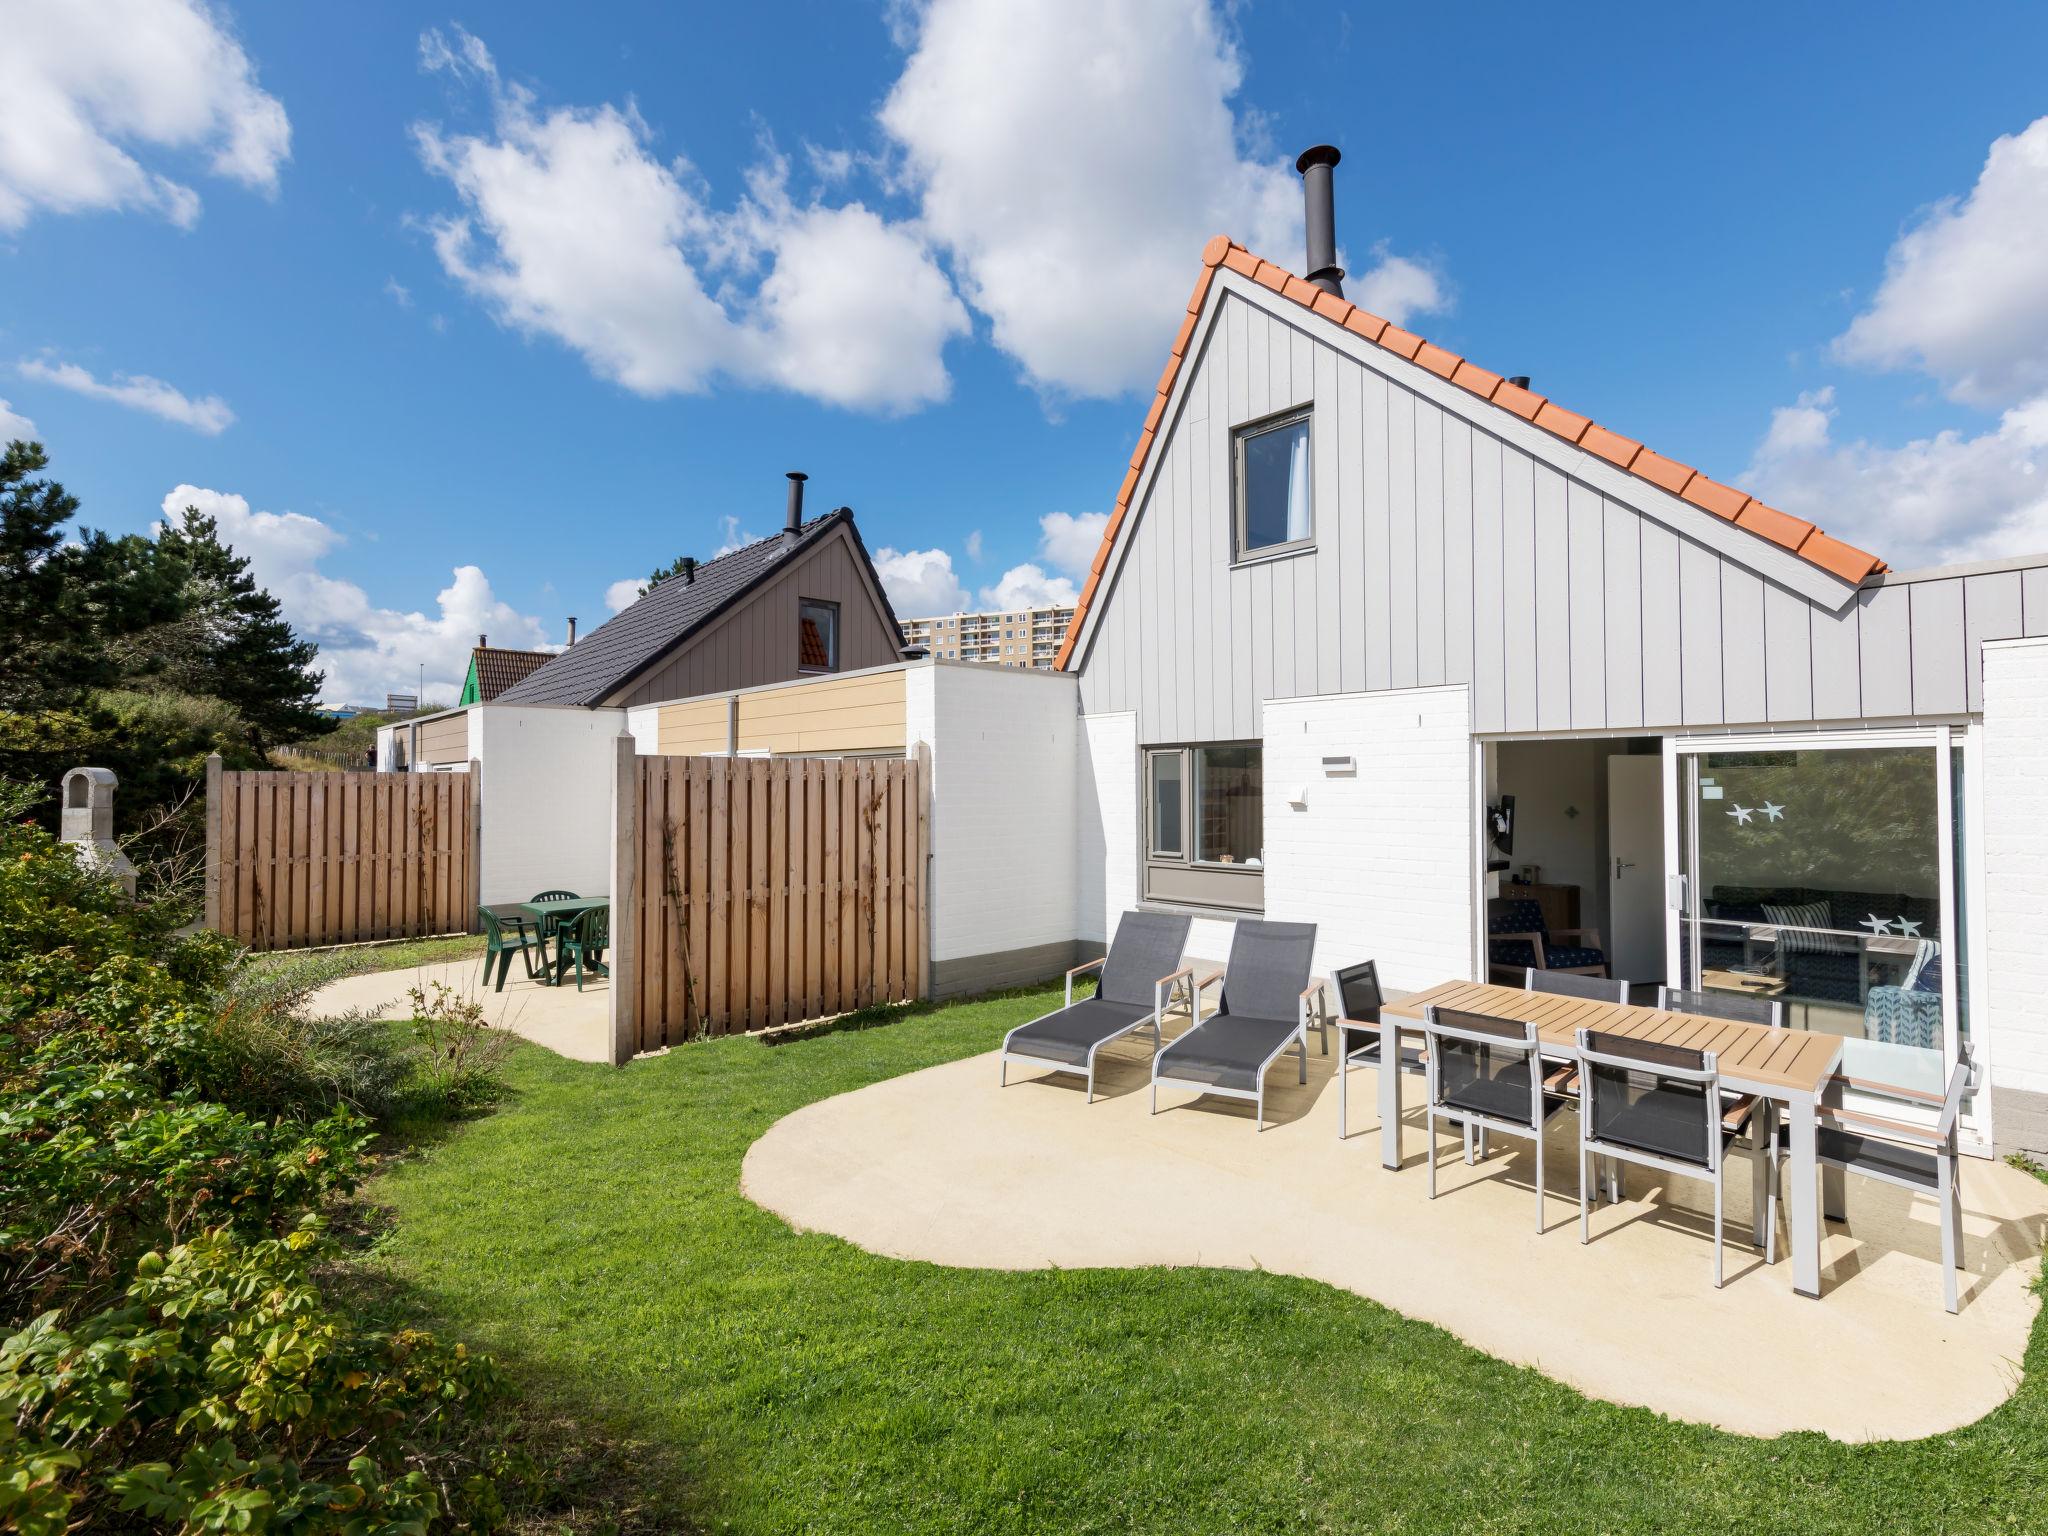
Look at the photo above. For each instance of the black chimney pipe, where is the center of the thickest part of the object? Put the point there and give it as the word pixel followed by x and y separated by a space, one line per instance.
pixel 793 524
pixel 1519 380
pixel 1320 207
pixel 689 569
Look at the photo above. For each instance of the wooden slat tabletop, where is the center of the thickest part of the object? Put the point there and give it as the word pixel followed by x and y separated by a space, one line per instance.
pixel 1794 1060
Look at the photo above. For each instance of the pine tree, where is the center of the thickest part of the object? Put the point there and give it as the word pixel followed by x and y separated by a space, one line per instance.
pixel 246 652
pixel 40 653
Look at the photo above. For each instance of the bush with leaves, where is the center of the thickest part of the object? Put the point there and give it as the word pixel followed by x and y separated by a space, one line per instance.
pixel 170 1359
pixel 226 1394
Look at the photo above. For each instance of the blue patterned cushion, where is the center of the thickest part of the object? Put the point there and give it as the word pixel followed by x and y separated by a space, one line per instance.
pixel 1902 1017
pixel 1565 957
pixel 1510 952
pixel 1516 916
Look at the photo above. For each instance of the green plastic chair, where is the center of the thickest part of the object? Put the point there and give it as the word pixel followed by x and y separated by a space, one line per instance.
pixel 502 940
pixel 549 924
pixel 585 936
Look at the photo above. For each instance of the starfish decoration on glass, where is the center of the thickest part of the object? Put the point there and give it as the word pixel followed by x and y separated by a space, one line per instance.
pixel 1774 812
pixel 1908 928
pixel 1877 924
pixel 1742 813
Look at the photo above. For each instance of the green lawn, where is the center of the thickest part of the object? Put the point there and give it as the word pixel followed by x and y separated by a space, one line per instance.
pixel 401 955
pixel 592 1233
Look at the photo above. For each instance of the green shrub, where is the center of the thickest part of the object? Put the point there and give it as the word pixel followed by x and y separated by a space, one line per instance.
pixel 171 1123
pixel 225 1394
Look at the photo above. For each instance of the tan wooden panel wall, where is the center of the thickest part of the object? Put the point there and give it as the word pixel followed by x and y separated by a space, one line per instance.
pixel 445 740
pixel 300 859
pixel 691 729
pixel 756 643
pixel 772 892
pixel 830 715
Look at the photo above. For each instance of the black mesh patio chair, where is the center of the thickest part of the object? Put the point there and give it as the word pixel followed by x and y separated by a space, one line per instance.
pixel 1139 976
pixel 1596 989
pixel 1659 1105
pixel 1264 1008
pixel 1909 1156
pixel 1359 1000
pixel 1485 1075
pixel 1741 1112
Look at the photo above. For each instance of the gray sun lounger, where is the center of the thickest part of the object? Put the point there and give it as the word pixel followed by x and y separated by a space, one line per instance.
pixel 1139 975
pixel 1264 1008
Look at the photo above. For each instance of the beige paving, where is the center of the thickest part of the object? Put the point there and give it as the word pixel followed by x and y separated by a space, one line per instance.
pixel 571 1023
pixel 941 1165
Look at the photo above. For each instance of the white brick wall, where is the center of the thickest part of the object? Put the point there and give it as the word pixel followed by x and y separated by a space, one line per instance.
pixel 1003 746
pixel 643 724
pixel 547 812
pixel 1106 823
pixel 2015 917
pixel 1380 862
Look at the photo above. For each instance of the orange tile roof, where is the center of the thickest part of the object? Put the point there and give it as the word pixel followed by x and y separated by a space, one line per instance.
pixel 1802 538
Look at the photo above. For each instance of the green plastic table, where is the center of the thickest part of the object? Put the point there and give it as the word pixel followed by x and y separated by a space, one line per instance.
pixel 550 915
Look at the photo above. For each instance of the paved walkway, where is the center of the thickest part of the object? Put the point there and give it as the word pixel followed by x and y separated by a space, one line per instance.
pixel 574 1024
pixel 943 1166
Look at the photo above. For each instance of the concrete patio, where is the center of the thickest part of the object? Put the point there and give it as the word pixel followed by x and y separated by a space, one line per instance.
pixel 571 1023
pixel 943 1166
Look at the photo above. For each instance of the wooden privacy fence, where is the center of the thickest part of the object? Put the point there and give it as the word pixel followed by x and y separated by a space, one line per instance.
pixel 298 859
pixel 766 892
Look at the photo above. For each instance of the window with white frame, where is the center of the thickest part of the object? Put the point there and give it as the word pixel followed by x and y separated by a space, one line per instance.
pixel 1275 510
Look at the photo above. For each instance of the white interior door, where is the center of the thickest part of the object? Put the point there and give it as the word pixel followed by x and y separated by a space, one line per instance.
pixel 1635 867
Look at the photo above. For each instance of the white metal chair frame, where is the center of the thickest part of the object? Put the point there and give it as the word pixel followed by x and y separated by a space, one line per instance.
pixel 1311 1002
pixel 1940 1142
pixel 1707 1077
pixel 1163 991
pixel 1434 1032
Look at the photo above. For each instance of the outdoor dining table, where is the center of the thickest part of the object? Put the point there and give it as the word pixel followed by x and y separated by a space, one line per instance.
pixel 551 916
pixel 1792 1068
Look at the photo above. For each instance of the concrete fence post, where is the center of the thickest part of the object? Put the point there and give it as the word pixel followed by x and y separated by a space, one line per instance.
pixel 214 787
pixel 476 844
pixel 625 956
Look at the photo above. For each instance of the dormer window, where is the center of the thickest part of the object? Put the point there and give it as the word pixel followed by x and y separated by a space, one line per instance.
pixel 1275 512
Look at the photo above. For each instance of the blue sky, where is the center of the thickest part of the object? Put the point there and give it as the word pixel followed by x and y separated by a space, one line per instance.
pixel 427 290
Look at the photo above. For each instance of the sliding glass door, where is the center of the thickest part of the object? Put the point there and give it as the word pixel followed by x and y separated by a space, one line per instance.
pixel 1820 872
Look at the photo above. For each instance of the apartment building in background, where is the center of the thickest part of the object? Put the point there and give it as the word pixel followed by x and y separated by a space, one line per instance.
pixel 1025 637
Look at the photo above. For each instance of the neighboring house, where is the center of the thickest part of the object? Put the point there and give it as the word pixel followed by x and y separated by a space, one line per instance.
pixel 1359 593
pixel 805 604
pixel 493 669
pixel 1022 637
pixel 806 601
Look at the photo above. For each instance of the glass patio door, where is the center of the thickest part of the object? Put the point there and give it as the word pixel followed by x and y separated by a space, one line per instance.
pixel 1820 872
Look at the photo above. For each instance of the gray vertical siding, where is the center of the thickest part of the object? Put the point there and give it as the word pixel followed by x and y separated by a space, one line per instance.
pixel 1446 554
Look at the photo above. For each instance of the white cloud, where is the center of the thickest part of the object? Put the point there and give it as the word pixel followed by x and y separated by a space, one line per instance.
pixel 137 391
pixel 398 293
pixel 14 425
pixel 88 84
pixel 734 537
pixel 365 650
pixel 972 544
pixel 1072 157
pixel 1068 541
pixel 1028 586
pixel 572 228
pixel 621 595
pixel 1937 500
pixel 920 582
pixel 1965 291
pixel 1399 288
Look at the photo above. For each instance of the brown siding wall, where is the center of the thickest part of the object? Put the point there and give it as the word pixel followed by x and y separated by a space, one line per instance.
pixel 757 642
